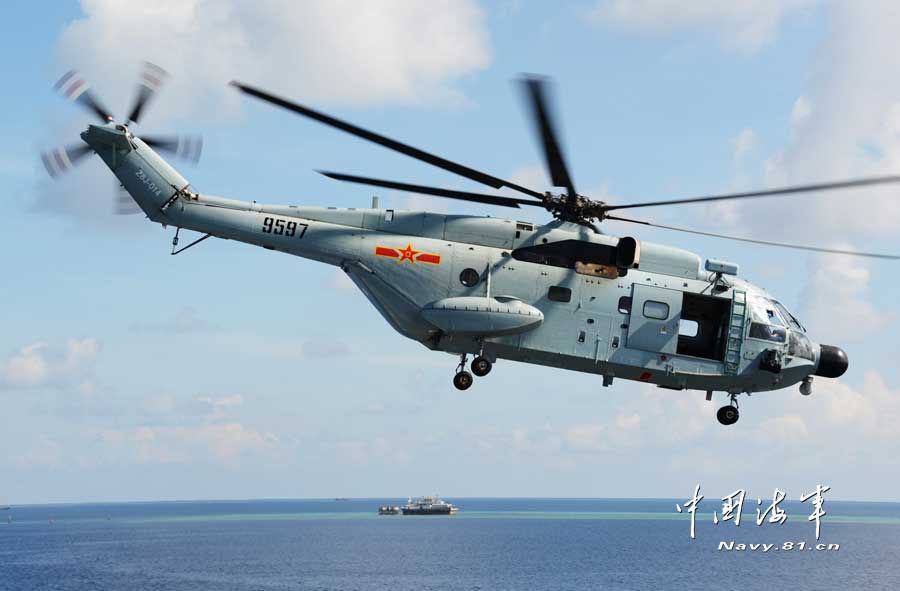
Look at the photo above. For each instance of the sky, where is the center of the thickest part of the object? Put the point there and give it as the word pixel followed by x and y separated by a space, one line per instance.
pixel 233 372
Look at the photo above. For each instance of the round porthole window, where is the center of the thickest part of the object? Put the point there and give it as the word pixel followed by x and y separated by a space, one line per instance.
pixel 469 277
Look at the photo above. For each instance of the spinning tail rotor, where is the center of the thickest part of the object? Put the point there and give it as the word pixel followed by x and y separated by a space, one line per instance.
pixel 73 87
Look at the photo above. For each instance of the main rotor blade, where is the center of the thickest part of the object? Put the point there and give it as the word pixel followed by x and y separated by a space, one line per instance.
pixel 152 78
pixel 536 97
pixel 463 195
pixel 73 87
pixel 469 173
pixel 186 147
pixel 848 184
pixel 764 242
pixel 61 159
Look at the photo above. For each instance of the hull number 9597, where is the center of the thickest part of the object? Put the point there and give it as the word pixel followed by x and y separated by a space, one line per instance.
pixel 279 226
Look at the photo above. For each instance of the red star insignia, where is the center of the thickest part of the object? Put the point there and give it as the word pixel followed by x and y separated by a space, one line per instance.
pixel 408 254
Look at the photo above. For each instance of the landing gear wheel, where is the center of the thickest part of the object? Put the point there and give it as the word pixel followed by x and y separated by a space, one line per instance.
pixel 481 366
pixel 728 415
pixel 463 380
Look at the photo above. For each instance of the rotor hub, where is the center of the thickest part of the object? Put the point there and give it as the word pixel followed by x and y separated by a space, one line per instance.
pixel 580 210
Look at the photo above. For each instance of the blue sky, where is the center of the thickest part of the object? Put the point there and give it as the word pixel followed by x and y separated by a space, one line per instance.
pixel 233 372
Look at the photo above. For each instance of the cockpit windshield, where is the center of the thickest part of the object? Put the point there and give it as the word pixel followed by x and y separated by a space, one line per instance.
pixel 763 310
pixel 766 322
pixel 769 311
pixel 792 321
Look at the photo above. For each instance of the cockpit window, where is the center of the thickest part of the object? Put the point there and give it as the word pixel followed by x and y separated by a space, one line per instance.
pixel 764 311
pixel 792 321
pixel 767 332
pixel 770 319
pixel 773 317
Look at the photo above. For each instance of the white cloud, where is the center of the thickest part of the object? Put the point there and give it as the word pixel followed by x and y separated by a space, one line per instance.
pixel 800 113
pixel 377 449
pixel 744 143
pixel 623 431
pixel 587 436
pixel 174 410
pixel 173 429
pixel 340 281
pixel 42 451
pixel 219 407
pixel 531 177
pixel 539 440
pixel 186 320
pixel 40 364
pixel 845 125
pixel 228 440
pixel 629 422
pixel 326 50
pixel 321 51
pixel 872 411
pixel 741 25
pixel 783 429
pixel 836 300
pixel 221 442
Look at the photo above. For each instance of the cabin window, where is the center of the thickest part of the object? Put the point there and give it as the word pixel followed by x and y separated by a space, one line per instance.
pixel 559 294
pixel 656 310
pixel 625 305
pixel 469 277
pixel 389 215
pixel 688 328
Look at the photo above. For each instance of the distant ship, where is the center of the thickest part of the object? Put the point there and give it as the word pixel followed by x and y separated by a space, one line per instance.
pixel 388 510
pixel 428 506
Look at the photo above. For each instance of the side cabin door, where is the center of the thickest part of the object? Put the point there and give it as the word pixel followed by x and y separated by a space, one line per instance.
pixel 593 322
pixel 655 317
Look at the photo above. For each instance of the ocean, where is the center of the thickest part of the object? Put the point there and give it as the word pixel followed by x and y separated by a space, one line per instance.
pixel 495 544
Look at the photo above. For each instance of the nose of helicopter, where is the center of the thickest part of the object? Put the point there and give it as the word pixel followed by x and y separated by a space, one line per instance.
pixel 832 362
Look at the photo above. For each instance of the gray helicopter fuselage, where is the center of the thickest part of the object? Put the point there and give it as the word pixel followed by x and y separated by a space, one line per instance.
pixel 456 284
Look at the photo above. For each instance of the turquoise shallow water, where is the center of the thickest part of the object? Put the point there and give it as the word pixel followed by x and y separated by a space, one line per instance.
pixel 490 544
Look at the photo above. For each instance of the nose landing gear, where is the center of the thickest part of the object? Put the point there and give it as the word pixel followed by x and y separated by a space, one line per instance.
pixel 481 366
pixel 729 414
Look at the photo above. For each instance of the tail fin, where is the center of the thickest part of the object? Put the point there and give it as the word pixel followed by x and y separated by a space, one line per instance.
pixel 150 180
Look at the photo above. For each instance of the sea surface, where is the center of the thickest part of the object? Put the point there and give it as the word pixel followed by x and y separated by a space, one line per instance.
pixel 515 544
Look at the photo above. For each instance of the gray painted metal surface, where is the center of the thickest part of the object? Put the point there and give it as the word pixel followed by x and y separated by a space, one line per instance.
pixel 410 264
pixel 655 318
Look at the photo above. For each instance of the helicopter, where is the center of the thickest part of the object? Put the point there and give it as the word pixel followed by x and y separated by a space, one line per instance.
pixel 561 294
